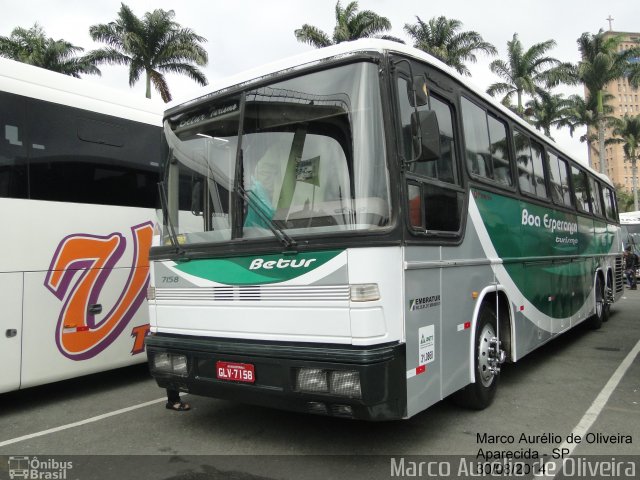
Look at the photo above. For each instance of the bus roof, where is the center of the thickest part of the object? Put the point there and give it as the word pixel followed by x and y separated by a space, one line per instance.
pixel 34 82
pixel 315 56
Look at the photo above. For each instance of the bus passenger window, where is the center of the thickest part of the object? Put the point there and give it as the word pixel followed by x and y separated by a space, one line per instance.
pixel 559 179
pixel 595 197
pixel 486 144
pixel 581 189
pixel 476 139
pixel 538 170
pixel 609 204
pixel 13 147
pixel 499 151
pixel 529 161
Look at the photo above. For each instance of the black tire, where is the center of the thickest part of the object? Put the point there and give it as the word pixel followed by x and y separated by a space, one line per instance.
pixel 609 298
pixel 479 394
pixel 602 312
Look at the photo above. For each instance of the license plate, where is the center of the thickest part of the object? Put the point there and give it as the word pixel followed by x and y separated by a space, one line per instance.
pixel 235 372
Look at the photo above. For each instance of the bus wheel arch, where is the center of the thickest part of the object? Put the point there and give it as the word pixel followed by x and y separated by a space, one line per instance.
pixel 486 356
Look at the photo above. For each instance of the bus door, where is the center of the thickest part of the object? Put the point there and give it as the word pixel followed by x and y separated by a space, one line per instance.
pixel 435 202
pixel 13 187
pixel 10 330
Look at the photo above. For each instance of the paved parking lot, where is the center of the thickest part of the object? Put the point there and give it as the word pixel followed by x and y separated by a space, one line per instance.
pixel 575 384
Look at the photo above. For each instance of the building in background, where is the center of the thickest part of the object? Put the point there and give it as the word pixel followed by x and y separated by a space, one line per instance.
pixel 625 101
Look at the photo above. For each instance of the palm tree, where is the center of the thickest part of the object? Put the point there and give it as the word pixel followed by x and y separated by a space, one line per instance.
pixel 584 113
pixel 441 38
pixel 154 45
pixel 627 131
pixel 602 63
pixel 625 201
pixel 350 25
pixel 32 46
pixel 527 71
pixel 548 110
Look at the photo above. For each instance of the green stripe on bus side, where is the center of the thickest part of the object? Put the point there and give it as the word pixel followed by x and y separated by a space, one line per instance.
pixel 549 254
pixel 257 269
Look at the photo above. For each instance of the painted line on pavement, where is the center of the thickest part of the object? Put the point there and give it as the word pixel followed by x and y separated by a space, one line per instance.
pixel 590 416
pixel 81 422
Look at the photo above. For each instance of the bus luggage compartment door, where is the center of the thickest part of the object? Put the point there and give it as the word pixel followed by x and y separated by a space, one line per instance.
pixel 10 330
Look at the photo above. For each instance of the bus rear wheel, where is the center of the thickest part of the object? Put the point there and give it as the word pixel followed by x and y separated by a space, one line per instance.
pixel 601 307
pixel 479 394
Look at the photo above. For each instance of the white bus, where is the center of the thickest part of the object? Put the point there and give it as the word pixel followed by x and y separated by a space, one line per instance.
pixel 78 192
pixel 359 232
pixel 630 223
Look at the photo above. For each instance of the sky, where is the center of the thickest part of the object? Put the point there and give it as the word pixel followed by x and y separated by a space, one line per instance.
pixel 242 34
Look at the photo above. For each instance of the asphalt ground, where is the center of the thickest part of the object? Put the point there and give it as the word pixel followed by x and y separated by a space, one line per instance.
pixel 114 425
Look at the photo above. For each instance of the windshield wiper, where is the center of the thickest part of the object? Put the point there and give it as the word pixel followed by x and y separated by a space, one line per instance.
pixel 254 202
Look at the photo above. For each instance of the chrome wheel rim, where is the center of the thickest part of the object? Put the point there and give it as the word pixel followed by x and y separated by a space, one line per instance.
pixel 484 354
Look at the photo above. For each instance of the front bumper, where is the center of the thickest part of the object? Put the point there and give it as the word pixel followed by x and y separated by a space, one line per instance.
pixel 381 370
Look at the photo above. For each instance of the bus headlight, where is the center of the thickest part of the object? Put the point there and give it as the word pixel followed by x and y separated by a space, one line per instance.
pixel 162 362
pixel 312 380
pixel 170 363
pixel 346 383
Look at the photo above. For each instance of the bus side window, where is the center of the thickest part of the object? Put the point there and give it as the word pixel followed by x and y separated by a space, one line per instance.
pixel 538 170
pixel 13 146
pixel 563 175
pixel 434 200
pixel 595 196
pixel 82 157
pixel 609 204
pixel 476 137
pixel 499 151
pixel 486 144
pixel 530 170
pixel 444 168
pixel 580 189
pixel 554 178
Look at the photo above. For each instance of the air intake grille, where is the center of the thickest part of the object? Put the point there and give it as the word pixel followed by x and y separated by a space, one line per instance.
pixel 328 293
pixel 619 275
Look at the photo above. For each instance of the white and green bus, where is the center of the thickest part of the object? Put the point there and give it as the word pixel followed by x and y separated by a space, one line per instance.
pixel 358 232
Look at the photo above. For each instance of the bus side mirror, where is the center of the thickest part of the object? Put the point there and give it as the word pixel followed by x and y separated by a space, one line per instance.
pixel 426 135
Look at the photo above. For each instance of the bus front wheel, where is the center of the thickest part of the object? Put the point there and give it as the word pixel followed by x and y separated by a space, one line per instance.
pixel 479 394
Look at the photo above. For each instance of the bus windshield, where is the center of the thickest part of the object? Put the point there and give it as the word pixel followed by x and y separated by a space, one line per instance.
pixel 304 156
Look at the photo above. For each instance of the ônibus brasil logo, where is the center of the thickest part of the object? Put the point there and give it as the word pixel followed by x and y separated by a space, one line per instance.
pixel 79 270
pixel 38 468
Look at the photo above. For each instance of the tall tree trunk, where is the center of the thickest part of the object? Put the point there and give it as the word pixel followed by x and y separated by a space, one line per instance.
pixel 601 151
pixel 148 85
pixel 634 179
